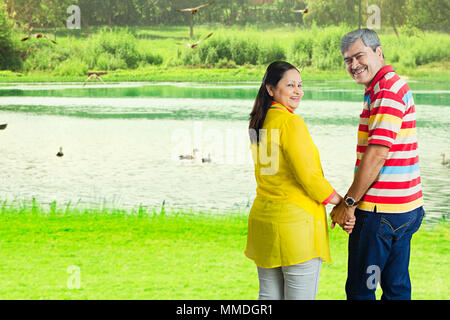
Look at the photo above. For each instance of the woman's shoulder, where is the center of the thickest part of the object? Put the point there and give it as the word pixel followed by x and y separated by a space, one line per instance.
pixel 293 121
pixel 284 121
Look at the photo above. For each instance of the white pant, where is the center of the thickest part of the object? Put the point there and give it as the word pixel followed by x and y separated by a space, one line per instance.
pixel 296 282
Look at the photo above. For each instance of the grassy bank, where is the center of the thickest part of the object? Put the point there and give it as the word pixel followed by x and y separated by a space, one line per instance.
pixel 433 72
pixel 231 54
pixel 152 255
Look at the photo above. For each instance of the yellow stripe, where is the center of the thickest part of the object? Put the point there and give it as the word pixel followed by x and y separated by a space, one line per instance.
pixel 385 118
pixel 363 135
pixel 407 132
pixel 388 208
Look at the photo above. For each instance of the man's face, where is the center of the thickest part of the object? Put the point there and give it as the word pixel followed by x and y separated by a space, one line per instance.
pixel 362 62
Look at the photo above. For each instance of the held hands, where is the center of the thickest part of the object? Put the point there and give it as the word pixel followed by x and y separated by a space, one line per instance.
pixel 344 216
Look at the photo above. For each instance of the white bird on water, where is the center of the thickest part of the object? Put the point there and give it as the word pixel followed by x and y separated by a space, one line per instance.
pixel 207 159
pixel 60 153
pixel 444 161
pixel 189 156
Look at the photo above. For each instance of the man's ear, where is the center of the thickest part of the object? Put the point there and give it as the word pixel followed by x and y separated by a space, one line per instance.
pixel 379 52
pixel 269 89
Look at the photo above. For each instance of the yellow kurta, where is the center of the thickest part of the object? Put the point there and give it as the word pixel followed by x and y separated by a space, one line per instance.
pixel 287 222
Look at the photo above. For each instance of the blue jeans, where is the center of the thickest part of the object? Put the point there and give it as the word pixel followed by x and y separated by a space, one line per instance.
pixel 379 251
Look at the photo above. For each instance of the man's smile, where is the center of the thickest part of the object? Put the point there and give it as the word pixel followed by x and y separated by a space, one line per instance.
pixel 358 71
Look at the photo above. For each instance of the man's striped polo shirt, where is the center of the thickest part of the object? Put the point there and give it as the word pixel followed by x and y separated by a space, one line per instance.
pixel 389 119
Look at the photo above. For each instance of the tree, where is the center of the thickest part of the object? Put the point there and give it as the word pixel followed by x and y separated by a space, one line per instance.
pixel 394 13
pixel 428 14
pixel 9 60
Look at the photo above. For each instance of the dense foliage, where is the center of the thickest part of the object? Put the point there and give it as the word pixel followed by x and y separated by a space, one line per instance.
pixel 271 32
pixel 8 56
pixel 422 14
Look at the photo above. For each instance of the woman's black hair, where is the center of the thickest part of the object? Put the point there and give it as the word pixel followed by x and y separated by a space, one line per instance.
pixel 275 71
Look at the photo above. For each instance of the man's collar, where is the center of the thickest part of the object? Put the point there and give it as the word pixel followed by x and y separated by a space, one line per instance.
pixel 380 74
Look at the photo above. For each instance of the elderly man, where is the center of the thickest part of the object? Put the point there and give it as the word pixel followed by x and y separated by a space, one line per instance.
pixel 386 194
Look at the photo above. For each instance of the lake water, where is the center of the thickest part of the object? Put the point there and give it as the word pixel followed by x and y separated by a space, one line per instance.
pixel 121 143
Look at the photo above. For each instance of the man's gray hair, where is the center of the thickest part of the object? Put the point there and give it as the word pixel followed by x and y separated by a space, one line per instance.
pixel 368 37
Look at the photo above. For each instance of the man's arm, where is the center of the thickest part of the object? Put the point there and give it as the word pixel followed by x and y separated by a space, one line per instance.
pixel 369 167
pixel 368 170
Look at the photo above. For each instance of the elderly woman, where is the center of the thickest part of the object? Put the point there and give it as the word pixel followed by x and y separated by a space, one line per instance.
pixel 287 227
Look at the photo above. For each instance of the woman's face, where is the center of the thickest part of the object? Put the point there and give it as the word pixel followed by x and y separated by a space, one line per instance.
pixel 289 91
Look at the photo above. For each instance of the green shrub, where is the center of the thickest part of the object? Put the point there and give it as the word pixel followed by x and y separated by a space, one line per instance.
pixel 225 64
pixel 119 43
pixel 43 55
pixel 71 67
pixel 241 51
pixel 107 61
pixel 238 51
pixel 271 53
pixel 149 58
pixel 9 58
pixel 302 49
pixel 416 50
pixel 212 57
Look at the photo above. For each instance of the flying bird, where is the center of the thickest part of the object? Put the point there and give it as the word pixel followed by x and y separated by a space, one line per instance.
pixel 3 126
pixel 91 77
pixel 303 11
pixel 37 36
pixel 195 10
pixel 195 45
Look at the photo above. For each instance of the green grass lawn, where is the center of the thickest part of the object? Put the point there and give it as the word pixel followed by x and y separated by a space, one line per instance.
pixel 139 255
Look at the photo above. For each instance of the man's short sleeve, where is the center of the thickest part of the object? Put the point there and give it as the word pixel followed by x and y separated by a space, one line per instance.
pixel 386 116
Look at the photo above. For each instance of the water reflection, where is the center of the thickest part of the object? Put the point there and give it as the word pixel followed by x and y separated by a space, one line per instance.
pixel 121 144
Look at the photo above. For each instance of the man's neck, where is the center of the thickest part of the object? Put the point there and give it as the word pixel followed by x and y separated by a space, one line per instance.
pixel 370 82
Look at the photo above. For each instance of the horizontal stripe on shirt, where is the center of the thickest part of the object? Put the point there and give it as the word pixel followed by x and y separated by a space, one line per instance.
pixel 388 118
pixel 406 192
pixel 393 199
pixel 389 208
pixel 396 185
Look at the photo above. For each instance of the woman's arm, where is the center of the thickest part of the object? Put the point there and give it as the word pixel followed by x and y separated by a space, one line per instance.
pixel 336 199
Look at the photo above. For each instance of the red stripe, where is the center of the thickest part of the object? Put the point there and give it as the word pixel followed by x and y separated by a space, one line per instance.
pixel 397 162
pixel 404 147
pixel 361 149
pixel 401 162
pixel 380 142
pixel 387 110
pixel 385 94
pixel 393 200
pixel 408 124
pixel 364 114
pixel 396 185
pixel 389 83
pixel 363 128
pixel 403 90
pixel 383 132
pixel 411 109
pixel 394 148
